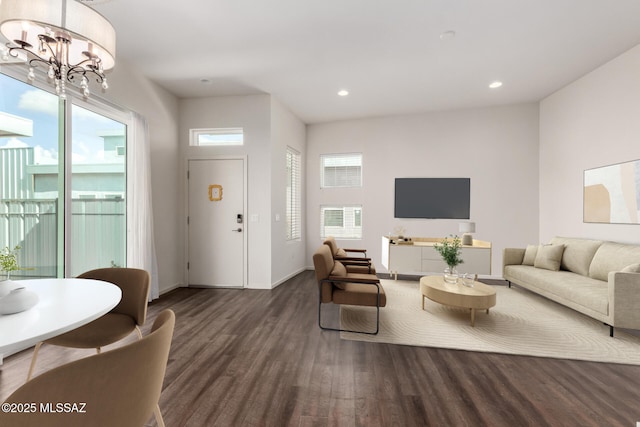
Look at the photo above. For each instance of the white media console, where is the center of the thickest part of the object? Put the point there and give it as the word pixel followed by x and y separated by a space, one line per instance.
pixel 420 257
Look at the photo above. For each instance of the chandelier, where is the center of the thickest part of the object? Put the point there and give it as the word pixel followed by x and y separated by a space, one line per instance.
pixel 72 40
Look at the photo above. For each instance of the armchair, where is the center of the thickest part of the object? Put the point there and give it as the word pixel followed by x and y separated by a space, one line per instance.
pixel 354 264
pixel 338 286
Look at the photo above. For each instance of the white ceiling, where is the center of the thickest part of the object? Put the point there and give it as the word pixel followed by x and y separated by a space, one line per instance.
pixel 387 53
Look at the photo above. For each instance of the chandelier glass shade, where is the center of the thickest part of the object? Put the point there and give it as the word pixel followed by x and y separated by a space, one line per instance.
pixel 74 42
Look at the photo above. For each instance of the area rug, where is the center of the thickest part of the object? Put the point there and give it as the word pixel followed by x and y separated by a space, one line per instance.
pixel 521 323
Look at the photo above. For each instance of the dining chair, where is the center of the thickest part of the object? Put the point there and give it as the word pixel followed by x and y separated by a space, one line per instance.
pixel 127 316
pixel 119 387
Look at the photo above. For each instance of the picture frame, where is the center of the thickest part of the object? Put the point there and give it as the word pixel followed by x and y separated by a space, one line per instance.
pixel 611 194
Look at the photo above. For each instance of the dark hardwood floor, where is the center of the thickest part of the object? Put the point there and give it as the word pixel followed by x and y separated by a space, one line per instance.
pixel 252 357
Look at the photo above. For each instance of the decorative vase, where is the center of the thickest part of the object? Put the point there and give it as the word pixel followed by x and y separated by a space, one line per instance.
pixel 7 286
pixel 450 275
pixel 18 300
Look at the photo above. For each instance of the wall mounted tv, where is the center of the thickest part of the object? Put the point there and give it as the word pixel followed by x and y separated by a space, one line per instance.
pixel 432 198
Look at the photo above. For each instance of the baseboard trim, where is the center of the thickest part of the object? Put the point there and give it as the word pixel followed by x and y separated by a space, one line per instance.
pixel 171 288
pixel 290 276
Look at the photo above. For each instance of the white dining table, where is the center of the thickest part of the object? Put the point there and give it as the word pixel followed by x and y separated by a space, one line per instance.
pixel 64 304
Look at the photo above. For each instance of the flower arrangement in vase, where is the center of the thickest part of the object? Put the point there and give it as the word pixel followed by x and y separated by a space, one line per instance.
pixel 9 260
pixel 450 251
pixel 14 297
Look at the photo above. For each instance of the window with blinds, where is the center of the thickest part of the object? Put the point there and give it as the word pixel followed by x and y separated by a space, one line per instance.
pixel 343 222
pixel 294 214
pixel 341 170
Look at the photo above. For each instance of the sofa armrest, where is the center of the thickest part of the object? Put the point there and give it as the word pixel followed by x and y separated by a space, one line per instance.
pixel 512 256
pixel 624 299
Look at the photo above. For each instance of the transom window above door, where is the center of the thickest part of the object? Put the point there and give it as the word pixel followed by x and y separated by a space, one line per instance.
pixel 215 137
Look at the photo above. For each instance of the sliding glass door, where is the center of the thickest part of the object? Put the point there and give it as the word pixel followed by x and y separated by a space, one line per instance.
pixel 98 191
pixel 62 182
pixel 30 190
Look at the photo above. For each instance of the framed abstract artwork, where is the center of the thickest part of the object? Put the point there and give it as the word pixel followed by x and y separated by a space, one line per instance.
pixel 612 194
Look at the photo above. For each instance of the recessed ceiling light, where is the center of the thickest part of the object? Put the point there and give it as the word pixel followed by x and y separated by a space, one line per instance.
pixel 343 92
pixel 495 85
pixel 205 81
pixel 447 35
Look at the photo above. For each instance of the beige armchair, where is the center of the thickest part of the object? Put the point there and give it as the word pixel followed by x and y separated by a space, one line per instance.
pixel 338 286
pixel 354 264
pixel 120 387
pixel 126 317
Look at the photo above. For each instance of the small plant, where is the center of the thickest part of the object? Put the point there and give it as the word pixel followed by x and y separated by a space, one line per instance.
pixel 450 251
pixel 9 260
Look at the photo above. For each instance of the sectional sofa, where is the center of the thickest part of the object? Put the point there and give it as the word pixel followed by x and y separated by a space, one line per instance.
pixel 598 278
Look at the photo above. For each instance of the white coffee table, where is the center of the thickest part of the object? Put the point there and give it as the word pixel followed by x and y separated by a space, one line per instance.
pixel 477 297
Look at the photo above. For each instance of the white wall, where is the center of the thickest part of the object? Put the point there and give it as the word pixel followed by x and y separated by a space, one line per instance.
pixel 252 113
pixel 288 257
pixel 496 147
pixel 128 88
pixel 593 122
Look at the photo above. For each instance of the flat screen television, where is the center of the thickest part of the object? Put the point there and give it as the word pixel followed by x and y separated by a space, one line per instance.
pixel 432 198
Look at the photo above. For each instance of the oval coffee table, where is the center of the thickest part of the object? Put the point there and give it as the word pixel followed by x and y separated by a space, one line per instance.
pixel 478 297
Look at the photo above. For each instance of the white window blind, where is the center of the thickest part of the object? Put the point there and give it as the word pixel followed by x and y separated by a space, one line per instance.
pixel 294 214
pixel 341 170
pixel 216 137
pixel 344 222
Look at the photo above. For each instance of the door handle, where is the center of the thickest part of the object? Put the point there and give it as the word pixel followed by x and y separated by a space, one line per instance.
pixel 237 229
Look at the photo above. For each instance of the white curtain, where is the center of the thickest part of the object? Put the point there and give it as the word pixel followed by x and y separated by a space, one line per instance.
pixel 141 250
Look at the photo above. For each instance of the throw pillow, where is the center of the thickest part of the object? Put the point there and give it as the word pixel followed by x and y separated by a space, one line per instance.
pixel 549 257
pixel 633 268
pixel 339 270
pixel 530 255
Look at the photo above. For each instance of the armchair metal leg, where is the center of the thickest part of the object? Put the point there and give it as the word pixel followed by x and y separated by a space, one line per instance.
pixel 33 360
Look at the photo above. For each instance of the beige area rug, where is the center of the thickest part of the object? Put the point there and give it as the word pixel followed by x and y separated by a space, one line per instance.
pixel 521 323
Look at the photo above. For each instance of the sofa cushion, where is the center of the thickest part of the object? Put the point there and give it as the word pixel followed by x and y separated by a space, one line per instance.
pixel 549 257
pixel 631 268
pixel 613 257
pixel 564 287
pixel 578 253
pixel 530 255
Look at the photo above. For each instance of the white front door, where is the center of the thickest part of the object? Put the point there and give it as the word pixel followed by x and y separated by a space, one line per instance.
pixel 216 223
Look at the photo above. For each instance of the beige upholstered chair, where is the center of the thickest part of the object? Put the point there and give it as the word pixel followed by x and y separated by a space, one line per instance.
pixel 338 286
pixel 120 387
pixel 354 264
pixel 126 317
